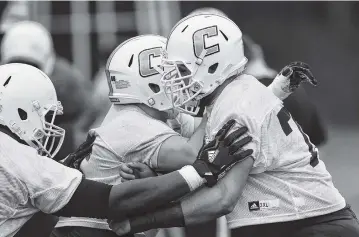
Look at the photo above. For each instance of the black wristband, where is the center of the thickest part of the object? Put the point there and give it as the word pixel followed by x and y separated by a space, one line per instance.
pixel 169 216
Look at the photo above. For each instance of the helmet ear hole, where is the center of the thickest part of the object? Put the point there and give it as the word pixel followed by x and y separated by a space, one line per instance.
pixel 212 69
pixel 22 113
pixel 154 87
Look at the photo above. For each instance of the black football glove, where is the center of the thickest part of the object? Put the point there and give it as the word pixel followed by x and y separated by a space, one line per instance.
pixel 298 72
pixel 74 159
pixel 221 153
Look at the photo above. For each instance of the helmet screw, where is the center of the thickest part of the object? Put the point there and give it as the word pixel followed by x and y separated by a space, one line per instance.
pixel 196 86
pixel 151 101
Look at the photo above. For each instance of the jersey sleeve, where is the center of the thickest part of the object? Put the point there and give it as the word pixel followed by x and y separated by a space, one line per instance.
pixel 133 136
pixel 50 184
pixel 147 148
pixel 243 120
pixel 254 131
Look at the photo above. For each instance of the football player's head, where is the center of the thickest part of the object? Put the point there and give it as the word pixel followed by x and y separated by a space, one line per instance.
pixel 133 73
pixel 202 51
pixel 28 42
pixel 28 107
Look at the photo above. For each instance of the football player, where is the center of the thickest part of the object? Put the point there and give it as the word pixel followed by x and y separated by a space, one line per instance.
pixel 286 191
pixel 134 128
pixel 29 42
pixel 298 104
pixel 32 182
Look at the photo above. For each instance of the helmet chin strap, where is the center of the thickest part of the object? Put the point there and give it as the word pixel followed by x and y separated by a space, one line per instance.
pixel 199 60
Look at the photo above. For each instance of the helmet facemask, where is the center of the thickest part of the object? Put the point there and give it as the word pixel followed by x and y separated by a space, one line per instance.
pixel 48 139
pixel 179 86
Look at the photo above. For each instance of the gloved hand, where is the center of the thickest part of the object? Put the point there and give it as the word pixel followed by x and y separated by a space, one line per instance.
pixel 297 72
pixel 74 159
pixel 216 157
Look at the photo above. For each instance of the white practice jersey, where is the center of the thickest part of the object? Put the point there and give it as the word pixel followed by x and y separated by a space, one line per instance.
pixel 288 181
pixel 127 134
pixel 184 124
pixel 30 183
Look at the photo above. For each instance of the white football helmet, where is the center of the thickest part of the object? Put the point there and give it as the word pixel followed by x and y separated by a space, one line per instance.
pixel 28 107
pixel 29 41
pixel 134 75
pixel 202 51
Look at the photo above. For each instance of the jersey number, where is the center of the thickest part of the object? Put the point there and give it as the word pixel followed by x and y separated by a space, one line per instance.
pixel 284 117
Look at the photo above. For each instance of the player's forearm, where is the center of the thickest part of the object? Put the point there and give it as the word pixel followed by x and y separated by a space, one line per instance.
pixel 180 214
pixel 210 203
pixel 175 157
pixel 177 151
pixel 171 215
pixel 166 217
pixel 204 205
pixel 98 200
pixel 144 195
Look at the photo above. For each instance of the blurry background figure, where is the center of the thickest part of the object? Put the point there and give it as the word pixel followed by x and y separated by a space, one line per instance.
pixel 256 65
pixel 13 12
pixel 100 92
pixel 29 42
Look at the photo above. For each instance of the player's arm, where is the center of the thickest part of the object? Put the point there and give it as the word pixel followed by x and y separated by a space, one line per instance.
pixel 138 196
pixel 204 204
pixel 98 200
pixel 55 188
pixel 177 151
pixel 201 206
pixel 298 104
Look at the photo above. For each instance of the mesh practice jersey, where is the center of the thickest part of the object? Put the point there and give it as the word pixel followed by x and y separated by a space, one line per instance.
pixel 30 183
pixel 288 181
pixel 127 134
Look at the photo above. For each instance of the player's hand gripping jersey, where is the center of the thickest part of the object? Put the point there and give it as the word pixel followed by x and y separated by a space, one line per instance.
pixel 288 181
